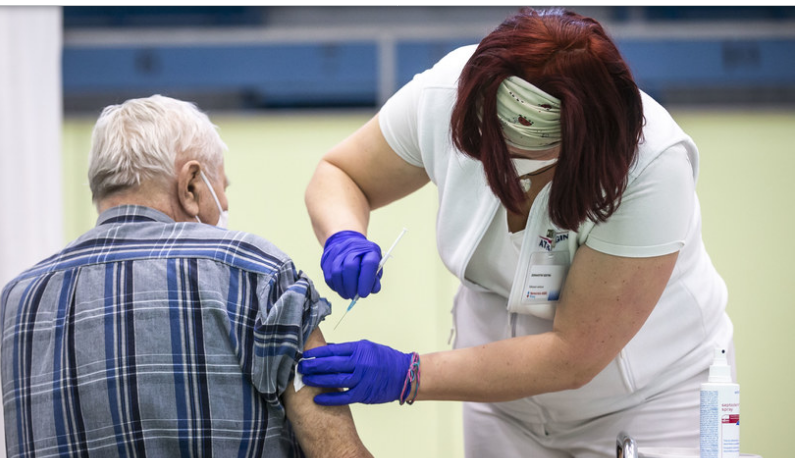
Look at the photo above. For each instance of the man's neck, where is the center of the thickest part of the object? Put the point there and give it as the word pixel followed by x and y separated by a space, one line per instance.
pixel 157 201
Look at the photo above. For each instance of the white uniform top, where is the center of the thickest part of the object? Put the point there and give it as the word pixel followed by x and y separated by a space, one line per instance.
pixel 659 214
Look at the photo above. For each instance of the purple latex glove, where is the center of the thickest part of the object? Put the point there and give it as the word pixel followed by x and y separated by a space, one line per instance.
pixel 372 373
pixel 350 264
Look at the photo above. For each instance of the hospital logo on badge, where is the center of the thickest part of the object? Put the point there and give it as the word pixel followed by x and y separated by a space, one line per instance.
pixel 552 238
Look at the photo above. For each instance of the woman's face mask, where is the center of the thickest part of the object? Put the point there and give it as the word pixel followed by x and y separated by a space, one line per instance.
pixel 223 214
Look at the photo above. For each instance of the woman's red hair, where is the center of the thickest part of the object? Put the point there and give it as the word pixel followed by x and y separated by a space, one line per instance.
pixel 570 57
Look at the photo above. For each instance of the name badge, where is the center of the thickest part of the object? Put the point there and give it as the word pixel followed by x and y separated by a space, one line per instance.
pixel 540 275
pixel 545 277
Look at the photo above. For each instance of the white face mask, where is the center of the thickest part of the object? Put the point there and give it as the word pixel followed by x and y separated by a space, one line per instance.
pixel 224 215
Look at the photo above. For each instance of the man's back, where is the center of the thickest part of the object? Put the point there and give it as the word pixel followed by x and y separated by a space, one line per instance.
pixel 149 336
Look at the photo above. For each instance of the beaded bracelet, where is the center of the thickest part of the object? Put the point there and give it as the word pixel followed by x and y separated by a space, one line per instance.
pixel 412 378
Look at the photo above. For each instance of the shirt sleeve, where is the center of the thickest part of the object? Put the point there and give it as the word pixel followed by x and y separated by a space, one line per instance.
pixel 398 121
pixel 656 211
pixel 289 309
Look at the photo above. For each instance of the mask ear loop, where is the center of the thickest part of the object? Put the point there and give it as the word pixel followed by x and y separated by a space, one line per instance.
pixel 212 191
pixel 215 197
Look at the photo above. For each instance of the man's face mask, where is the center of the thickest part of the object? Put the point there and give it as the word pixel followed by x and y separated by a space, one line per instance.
pixel 224 215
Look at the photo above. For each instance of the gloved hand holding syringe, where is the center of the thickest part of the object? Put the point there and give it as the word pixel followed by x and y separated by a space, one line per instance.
pixel 386 256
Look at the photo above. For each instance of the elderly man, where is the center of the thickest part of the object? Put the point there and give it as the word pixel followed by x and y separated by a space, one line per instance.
pixel 157 333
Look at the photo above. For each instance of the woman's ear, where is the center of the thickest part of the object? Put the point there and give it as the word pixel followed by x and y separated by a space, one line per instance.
pixel 188 179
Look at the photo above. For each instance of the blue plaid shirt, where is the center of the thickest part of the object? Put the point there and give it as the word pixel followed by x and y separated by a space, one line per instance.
pixel 146 337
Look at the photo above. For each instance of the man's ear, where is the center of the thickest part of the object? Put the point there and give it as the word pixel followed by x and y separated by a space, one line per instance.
pixel 188 179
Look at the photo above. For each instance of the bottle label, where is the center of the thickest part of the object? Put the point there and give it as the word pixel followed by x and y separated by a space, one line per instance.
pixel 730 430
pixel 720 422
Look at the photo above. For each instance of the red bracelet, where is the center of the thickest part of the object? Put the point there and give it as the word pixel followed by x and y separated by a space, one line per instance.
pixel 412 378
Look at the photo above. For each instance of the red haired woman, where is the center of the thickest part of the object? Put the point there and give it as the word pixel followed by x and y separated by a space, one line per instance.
pixel 567 208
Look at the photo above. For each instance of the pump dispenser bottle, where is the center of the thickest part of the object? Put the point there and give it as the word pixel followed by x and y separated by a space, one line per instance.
pixel 720 411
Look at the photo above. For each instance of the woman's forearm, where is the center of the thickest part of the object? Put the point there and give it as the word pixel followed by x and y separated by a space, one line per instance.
pixel 503 371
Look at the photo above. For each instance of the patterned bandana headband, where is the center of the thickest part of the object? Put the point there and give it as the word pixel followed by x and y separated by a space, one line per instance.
pixel 530 118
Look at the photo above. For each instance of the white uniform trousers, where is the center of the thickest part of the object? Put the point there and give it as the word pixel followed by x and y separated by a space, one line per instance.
pixel 670 419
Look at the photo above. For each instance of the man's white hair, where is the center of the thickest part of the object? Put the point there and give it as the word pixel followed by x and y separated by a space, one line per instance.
pixel 142 139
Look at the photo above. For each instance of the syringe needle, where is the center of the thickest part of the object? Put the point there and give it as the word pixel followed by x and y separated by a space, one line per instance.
pixel 343 316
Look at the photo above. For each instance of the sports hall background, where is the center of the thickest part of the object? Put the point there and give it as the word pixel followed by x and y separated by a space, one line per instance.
pixel 284 84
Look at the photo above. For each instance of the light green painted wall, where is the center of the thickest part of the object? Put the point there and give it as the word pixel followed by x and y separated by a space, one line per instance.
pixel 745 189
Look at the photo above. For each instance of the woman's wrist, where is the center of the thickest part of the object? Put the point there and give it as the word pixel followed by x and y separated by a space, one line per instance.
pixel 411 384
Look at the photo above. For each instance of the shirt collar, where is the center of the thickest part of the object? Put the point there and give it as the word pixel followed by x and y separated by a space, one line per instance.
pixel 132 214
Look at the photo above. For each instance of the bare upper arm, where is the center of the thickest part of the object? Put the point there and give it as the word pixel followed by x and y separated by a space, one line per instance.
pixel 381 175
pixel 605 301
pixel 321 430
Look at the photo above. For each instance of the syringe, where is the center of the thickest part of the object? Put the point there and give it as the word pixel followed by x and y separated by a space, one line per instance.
pixel 380 267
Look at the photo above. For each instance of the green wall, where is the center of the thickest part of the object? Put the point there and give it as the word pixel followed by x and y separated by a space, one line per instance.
pixel 744 186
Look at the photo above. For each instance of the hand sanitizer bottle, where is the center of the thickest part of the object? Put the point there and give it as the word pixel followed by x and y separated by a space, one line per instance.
pixel 720 411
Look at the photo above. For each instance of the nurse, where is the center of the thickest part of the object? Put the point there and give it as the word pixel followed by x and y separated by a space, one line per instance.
pixel 567 208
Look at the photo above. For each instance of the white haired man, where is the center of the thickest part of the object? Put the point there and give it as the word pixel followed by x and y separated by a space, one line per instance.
pixel 157 333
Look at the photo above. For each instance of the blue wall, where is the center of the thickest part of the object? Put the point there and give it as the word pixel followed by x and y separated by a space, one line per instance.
pixel 287 74
pixel 346 72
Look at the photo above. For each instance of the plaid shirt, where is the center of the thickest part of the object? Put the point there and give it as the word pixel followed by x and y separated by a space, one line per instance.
pixel 150 337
